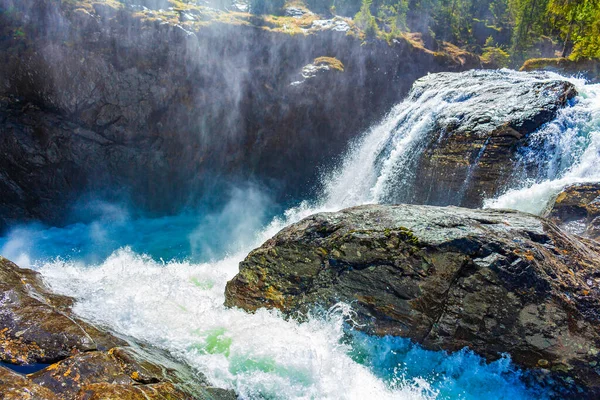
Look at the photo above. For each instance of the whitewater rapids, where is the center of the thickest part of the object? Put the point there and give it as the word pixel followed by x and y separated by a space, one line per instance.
pixel 162 280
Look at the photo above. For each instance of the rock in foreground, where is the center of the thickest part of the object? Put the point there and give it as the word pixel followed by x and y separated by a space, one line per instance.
pixel 448 278
pixel 38 328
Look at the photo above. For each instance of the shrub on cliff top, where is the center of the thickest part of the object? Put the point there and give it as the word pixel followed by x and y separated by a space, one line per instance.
pixel 365 20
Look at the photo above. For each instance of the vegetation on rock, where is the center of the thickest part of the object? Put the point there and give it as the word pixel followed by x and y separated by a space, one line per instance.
pixel 506 31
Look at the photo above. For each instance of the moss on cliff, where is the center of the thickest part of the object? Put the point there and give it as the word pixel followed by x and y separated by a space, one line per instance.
pixel 331 62
pixel 589 68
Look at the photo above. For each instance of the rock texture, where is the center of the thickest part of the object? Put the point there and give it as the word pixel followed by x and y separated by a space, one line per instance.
pixel 37 326
pixel 577 209
pixel 159 106
pixel 468 151
pixel 14 386
pixel 448 278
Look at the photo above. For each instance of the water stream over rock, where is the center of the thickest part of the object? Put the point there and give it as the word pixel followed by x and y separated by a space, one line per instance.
pixel 163 280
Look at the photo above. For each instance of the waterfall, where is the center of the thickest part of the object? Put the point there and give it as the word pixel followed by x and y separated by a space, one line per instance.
pixel 380 166
pixel 566 151
pixel 140 277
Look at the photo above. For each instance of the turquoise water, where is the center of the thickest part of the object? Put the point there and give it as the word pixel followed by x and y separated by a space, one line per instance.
pixel 148 278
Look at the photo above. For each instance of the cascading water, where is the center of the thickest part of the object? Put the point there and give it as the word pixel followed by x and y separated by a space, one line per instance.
pixel 162 280
pixel 565 151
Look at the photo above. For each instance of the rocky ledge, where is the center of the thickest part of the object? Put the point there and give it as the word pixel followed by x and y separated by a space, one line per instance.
pixel 186 97
pixel 72 359
pixel 494 281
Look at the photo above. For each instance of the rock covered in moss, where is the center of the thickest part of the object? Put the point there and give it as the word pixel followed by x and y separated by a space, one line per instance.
pixel 588 69
pixel 494 281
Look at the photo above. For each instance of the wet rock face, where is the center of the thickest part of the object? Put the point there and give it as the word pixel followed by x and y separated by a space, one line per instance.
pixel 577 209
pixel 448 278
pixel 37 326
pixel 169 107
pixel 471 145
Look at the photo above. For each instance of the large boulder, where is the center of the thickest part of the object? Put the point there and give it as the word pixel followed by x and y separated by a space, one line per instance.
pixel 494 281
pixel 577 209
pixel 471 128
pixel 38 328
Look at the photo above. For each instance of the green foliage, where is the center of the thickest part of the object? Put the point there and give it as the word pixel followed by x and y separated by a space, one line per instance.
pixel 494 55
pixel 519 28
pixel 577 22
pixel 365 20
pixel 260 7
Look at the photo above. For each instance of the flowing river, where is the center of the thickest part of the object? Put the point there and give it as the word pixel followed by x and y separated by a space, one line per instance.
pixel 162 280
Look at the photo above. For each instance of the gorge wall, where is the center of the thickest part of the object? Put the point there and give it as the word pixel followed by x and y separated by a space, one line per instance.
pixel 162 107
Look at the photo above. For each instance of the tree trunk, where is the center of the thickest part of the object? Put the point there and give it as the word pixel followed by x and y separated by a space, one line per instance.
pixel 568 38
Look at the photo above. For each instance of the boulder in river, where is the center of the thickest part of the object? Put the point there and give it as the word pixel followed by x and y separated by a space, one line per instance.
pixel 448 278
pixel 468 129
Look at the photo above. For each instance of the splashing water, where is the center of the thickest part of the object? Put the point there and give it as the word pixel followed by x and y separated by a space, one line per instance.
pixel 157 279
pixel 566 151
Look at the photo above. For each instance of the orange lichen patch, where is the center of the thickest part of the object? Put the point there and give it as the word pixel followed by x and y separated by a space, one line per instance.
pixel 291 25
pixel 529 256
pixel 274 296
pixel 17 351
pixel 415 39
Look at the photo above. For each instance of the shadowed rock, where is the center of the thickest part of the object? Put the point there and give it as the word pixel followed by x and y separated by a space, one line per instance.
pixel 448 278
pixel 577 209
pixel 156 108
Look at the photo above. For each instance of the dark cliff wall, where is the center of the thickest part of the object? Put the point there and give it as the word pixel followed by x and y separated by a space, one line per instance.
pixel 102 99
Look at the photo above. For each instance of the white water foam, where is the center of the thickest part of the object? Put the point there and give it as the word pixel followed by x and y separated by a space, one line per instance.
pixel 179 306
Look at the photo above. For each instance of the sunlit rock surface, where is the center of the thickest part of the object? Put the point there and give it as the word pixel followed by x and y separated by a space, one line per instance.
pixel 473 125
pixel 448 278
pixel 14 386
